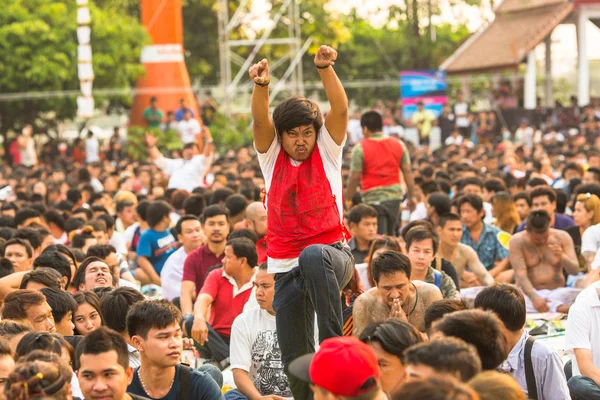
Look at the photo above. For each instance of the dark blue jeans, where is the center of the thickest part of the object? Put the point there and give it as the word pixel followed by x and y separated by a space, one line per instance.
pixel 583 388
pixel 312 287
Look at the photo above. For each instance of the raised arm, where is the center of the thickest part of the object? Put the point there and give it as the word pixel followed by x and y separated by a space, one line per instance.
pixel 477 267
pixel 153 151
pixel 262 125
pixel 336 121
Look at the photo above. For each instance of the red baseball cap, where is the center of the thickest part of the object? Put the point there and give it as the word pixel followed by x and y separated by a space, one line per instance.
pixel 344 366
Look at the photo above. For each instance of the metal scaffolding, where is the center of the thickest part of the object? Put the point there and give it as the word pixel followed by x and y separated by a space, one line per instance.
pixel 290 11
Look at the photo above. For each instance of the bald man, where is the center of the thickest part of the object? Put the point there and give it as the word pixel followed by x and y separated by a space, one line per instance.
pixel 256 221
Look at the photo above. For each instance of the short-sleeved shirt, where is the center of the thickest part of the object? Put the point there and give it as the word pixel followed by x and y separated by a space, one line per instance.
pixel 488 249
pixel 202 386
pixel 255 349
pixel 197 263
pixel 426 119
pixel 156 113
pixel 584 326
pixel 184 174
pixel 561 222
pixel 228 300
pixel 380 193
pixel 156 247
pixel 590 240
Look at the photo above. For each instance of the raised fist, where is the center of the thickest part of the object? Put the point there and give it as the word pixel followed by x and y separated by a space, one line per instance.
pixel 325 57
pixel 151 140
pixel 259 72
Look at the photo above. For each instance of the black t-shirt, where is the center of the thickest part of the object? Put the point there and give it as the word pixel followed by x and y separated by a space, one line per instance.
pixel 202 386
pixel 135 397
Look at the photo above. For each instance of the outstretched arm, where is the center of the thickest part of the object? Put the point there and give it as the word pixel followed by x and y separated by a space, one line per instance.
pixel 153 151
pixel 262 125
pixel 336 121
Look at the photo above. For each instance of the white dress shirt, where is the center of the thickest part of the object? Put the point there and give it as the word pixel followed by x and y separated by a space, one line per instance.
pixel 172 274
pixel 550 379
pixel 583 326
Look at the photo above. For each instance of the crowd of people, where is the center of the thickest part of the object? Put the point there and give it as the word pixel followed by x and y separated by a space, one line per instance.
pixel 333 260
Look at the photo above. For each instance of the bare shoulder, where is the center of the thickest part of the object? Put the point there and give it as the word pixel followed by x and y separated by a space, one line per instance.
pixel 561 235
pixel 519 238
pixel 466 251
pixel 366 300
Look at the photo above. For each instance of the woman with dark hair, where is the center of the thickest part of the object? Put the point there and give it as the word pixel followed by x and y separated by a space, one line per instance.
pixel 82 238
pixel 388 340
pixel 87 317
pixel 65 251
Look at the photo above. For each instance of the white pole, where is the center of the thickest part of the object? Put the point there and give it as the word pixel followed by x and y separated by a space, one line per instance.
pixel 530 83
pixel 583 78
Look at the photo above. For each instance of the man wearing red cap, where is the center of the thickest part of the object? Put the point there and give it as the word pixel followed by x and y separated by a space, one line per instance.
pixel 300 155
pixel 343 368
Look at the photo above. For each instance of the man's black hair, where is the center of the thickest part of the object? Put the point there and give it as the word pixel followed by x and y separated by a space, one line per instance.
pixel 246 248
pixel 46 341
pixel 522 196
pixel 178 226
pixel 88 213
pixel 103 340
pixel 74 196
pixel 429 187
pixel 481 329
pixel 72 224
pixel 475 201
pixel 194 205
pixel 157 211
pixel 243 233
pixel 389 263
pixel 419 234
pixel 6 267
pixel 56 218
pixel 115 305
pixel 536 182
pixel 45 276
pixel 142 209
pixel 122 205
pixel 394 336
pixel 440 202
pixel 6 221
pixel 596 172
pixel 101 251
pixel 60 302
pixel 444 218
pixel 99 209
pixel 471 180
pixel 108 221
pixel 20 242
pixel 372 121
pixel 438 309
pixel 236 204
pixel 7 233
pixel 538 221
pixel 56 261
pixel 213 211
pixel 294 112
pixel 574 167
pixel 151 314
pixel 562 199
pixel 507 302
pixel 543 191
pixel 220 195
pixel 360 211
pixel 31 235
pixel 24 214
pixel 64 205
pixel 494 185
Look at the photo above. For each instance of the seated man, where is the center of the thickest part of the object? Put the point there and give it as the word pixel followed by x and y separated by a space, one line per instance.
pixel 222 299
pixel 582 342
pixel 470 270
pixel 63 307
pixel 156 334
pixel 481 329
pixel 29 307
pixel 538 256
pixel 445 356
pixel 100 354
pixel 421 247
pixel 507 302
pixel 544 198
pixel 394 296
pixel 255 353
pixel 114 307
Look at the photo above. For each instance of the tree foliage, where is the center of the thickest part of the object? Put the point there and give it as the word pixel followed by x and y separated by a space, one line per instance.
pixel 38 52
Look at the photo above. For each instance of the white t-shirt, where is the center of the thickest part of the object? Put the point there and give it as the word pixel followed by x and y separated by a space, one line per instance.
pixel 255 349
pixel 92 150
pixel 188 130
pixel 129 233
pixel 117 240
pixel 172 274
pixel 462 109
pixel 184 174
pixel 419 213
pixel 583 326
pixel 590 241
pixel 331 154
pixel 354 129
pixel 489 217
pixel 453 140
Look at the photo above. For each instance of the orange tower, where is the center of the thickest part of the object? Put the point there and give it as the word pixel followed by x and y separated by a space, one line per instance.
pixel 166 76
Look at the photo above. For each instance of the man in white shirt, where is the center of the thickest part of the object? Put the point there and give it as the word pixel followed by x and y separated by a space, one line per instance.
pixel 188 128
pixel 582 342
pixel 461 112
pixel 255 354
pixel 188 172
pixel 189 234
pixel 508 303
pixel 92 148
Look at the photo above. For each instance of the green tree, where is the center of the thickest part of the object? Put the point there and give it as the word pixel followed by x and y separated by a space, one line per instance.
pixel 38 52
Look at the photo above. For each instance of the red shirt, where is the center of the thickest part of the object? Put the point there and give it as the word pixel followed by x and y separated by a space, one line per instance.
pixel 197 263
pixel 228 300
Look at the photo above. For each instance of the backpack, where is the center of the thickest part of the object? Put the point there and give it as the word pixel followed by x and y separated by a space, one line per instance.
pixel 437 279
pixel 184 382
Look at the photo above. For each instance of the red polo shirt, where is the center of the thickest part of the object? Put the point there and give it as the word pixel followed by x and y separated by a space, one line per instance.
pixel 197 263
pixel 228 300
